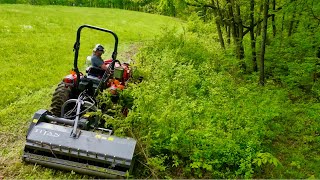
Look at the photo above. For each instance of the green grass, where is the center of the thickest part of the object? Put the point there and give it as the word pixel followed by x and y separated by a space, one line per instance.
pixel 36 44
pixel 37 41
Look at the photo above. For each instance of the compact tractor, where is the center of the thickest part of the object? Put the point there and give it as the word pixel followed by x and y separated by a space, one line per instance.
pixel 69 136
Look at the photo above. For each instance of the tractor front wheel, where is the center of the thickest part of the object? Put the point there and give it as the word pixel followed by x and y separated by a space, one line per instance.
pixel 60 96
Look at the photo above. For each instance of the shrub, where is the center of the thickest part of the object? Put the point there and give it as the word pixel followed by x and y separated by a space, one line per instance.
pixel 195 122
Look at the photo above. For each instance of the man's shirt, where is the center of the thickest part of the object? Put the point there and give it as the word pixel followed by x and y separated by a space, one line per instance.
pixel 96 61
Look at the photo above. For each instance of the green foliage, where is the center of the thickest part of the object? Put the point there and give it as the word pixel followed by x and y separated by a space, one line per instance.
pixel 167 7
pixel 137 5
pixel 194 117
pixel 292 62
pixel 265 158
pixel 204 122
pixel 113 113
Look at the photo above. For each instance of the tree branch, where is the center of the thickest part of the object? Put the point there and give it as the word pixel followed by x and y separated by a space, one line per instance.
pixel 201 5
pixel 255 24
pixel 313 12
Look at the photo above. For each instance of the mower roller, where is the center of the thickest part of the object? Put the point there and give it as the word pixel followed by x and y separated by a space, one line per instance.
pixel 69 137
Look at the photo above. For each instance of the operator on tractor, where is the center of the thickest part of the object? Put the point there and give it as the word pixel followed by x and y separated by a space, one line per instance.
pixel 96 59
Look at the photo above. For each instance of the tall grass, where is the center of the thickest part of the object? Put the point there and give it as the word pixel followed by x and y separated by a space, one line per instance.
pixel 36 44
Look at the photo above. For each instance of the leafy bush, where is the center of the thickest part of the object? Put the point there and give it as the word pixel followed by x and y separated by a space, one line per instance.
pixel 292 62
pixel 195 122
pixel 198 115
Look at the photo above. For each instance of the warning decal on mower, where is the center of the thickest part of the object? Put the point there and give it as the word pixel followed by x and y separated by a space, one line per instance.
pixel 98 136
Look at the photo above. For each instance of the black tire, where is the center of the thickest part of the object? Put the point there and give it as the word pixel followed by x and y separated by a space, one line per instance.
pixel 59 97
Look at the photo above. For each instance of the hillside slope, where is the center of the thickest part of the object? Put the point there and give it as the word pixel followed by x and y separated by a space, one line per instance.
pixel 36 52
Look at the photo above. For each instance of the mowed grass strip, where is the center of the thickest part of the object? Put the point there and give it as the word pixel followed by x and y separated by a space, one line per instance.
pixel 12 137
pixel 36 44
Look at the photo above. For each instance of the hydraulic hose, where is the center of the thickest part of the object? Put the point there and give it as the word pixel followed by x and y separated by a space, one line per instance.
pixel 60 120
pixel 91 105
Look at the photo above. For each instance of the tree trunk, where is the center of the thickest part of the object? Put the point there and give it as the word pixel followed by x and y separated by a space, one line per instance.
pixel 263 41
pixel 232 23
pixel 282 27
pixel 220 34
pixel 226 21
pixel 218 24
pixel 220 13
pixel 235 30
pixel 274 28
pixel 252 38
pixel 240 34
pixel 259 24
pixel 290 29
pixel 228 34
pixel 296 24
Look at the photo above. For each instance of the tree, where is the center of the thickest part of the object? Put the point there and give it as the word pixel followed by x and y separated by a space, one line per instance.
pixel 252 38
pixel 263 43
pixel 218 17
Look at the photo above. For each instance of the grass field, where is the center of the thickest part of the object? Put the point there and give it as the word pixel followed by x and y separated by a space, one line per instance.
pixel 36 44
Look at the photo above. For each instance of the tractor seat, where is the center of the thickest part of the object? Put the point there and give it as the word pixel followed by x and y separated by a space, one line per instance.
pixel 95 71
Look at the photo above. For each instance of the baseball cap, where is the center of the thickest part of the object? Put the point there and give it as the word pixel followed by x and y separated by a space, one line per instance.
pixel 98 47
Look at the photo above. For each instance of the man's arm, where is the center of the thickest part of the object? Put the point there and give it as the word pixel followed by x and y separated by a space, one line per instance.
pixel 103 66
pixel 96 62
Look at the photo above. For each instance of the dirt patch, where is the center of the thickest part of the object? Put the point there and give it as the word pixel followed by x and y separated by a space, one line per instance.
pixel 7 139
pixel 133 49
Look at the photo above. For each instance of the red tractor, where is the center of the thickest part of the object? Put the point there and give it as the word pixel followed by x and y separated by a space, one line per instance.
pixel 95 80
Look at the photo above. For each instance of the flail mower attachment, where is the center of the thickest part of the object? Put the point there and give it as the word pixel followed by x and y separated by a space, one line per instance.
pixel 48 143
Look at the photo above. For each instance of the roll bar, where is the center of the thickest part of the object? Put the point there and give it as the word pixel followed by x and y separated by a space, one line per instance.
pixel 76 47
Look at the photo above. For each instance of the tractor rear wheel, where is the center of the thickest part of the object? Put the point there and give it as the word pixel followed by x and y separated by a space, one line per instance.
pixel 59 97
